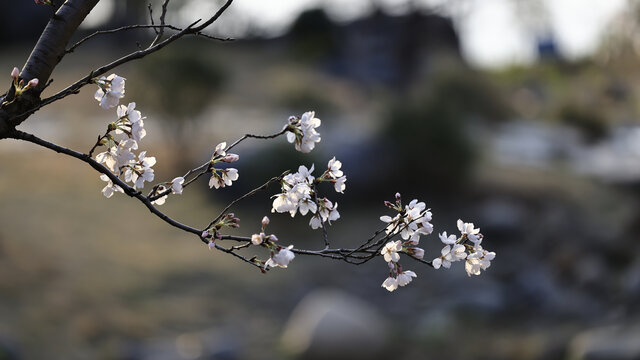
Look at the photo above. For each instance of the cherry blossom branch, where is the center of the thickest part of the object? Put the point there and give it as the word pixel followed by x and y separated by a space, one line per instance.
pixel 162 15
pixel 76 86
pixel 250 193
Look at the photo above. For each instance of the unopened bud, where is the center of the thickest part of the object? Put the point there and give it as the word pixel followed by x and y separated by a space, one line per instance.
pixel 229 158
pixel 398 197
pixel 205 234
pixel 265 221
pixel 388 204
pixel 212 244
pixel 15 73
pixel 417 253
pixel 272 237
pixel 32 83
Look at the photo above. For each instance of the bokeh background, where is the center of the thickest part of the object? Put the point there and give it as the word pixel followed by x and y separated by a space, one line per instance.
pixel 520 116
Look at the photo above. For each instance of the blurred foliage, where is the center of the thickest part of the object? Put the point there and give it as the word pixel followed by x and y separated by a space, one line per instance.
pixel 312 36
pixel 590 121
pixel 179 81
pixel 431 127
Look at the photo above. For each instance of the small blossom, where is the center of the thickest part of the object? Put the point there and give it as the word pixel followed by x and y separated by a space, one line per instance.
pixel 340 184
pixel 468 229
pixel 219 151
pixel 390 251
pixel 302 131
pixel 390 283
pixel 478 260
pixel 405 277
pixel 282 258
pixel 448 240
pixel 229 175
pixel 176 185
pixel 315 222
pixel 111 90
pixel 108 190
pixel 161 200
pixel 334 168
pixel 257 239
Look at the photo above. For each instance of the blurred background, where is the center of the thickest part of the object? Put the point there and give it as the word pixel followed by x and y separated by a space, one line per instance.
pixel 521 116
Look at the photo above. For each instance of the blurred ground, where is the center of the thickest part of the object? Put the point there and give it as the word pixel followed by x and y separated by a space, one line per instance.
pixel 545 159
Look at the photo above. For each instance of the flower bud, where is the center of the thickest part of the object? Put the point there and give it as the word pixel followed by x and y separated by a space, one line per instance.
pixel 388 204
pixel 272 237
pixel 265 221
pixel 205 234
pixel 15 74
pixel 32 83
pixel 398 197
pixel 416 252
pixel 229 158
pixel 212 244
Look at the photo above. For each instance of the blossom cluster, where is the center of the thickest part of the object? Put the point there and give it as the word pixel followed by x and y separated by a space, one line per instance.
pixel 458 248
pixel 122 139
pixel 299 194
pixel 222 177
pixel 301 131
pixel 411 222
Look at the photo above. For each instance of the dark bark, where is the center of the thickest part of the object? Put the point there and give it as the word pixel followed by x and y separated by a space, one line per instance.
pixel 44 57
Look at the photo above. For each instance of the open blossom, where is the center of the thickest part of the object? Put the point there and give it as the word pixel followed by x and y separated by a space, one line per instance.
pixel 469 230
pixel 132 120
pixel 176 185
pixel 108 190
pixel 390 251
pixel 340 184
pixel 405 277
pixel 111 90
pixel 140 171
pixel 480 259
pixel 225 178
pixel 257 239
pixel 390 283
pixel 449 254
pixel 302 132
pixel 334 168
pixel 282 258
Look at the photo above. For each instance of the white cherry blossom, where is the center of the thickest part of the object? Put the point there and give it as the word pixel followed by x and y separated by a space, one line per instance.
pixel 334 168
pixel 405 277
pixel 282 258
pixel 108 190
pixel 176 185
pixel 468 229
pixel 340 184
pixel 111 90
pixel 390 283
pixel 390 251
pixel 302 131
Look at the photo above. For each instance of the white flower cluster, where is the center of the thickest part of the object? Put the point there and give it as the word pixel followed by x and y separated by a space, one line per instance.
pixel 111 90
pixel 119 157
pixel 222 177
pixel 302 131
pixel 411 222
pixel 298 194
pixel 457 249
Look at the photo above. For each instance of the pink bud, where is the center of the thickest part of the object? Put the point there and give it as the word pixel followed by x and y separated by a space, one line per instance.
pixel 229 158
pixel 398 197
pixel 272 237
pixel 15 73
pixel 32 83
pixel 212 245
pixel 205 234
pixel 265 221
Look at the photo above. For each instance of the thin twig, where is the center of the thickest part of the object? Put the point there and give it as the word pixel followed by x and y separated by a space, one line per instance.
pixel 160 31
